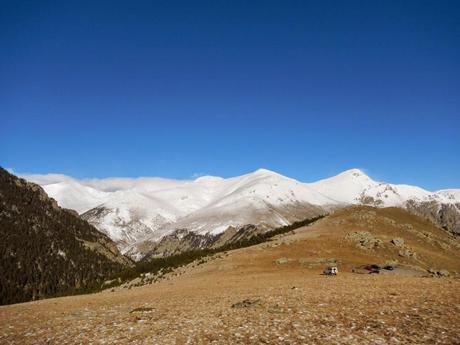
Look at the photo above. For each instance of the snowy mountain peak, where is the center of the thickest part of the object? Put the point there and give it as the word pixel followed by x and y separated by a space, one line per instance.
pixel 70 194
pixel 208 179
pixel 353 174
pixel 451 195
pixel 355 187
pixel 265 172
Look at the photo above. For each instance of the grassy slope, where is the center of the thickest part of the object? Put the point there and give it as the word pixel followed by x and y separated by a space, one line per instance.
pixel 196 305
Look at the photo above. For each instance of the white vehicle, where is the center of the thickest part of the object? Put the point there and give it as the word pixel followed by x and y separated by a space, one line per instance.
pixel 331 271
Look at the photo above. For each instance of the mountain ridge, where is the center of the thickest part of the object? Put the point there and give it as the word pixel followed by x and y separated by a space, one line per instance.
pixel 131 211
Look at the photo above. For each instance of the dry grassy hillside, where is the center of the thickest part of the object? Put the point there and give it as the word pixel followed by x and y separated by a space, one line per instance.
pixel 363 235
pixel 273 293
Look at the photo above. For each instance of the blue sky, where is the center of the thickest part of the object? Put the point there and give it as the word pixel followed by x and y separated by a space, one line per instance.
pixel 169 88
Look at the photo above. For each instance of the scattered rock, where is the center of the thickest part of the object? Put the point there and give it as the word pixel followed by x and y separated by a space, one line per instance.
pixel 246 303
pixel 443 245
pixel 443 273
pixel 141 310
pixel 404 251
pixel 398 242
pixel 364 240
pixel 406 226
pixel 282 261
pixel 407 253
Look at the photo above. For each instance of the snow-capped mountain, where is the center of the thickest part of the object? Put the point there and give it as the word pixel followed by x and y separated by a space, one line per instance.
pixel 73 195
pixel 133 211
pixel 355 187
pixel 129 216
pixel 262 197
pixel 452 195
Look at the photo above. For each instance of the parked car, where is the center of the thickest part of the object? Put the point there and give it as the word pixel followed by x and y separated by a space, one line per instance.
pixel 373 269
pixel 331 271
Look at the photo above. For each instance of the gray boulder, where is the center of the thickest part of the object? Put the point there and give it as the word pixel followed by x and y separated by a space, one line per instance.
pixel 398 242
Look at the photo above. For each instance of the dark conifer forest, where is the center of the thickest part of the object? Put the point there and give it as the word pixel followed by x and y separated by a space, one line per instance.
pixel 46 250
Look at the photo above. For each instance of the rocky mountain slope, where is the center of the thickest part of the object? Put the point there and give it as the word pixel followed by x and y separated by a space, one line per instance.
pixel 46 250
pixel 137 213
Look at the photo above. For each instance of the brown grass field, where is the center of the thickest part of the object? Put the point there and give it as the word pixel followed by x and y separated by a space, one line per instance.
pixel 288 302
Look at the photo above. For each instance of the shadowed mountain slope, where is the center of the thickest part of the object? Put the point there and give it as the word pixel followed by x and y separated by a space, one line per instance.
pixel 46 250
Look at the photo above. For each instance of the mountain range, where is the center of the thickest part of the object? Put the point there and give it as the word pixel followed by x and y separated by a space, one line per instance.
pixel 140 214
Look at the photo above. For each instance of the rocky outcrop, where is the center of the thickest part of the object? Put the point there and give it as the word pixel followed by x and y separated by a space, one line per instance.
pixel 442 273
pixel 398 242
pixel 180 241
pixel 446 216
pixel 183 240
pixel 364 240
pixel 406 252
pixel 403 249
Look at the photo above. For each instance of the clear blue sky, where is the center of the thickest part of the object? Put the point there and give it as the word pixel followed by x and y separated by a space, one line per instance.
pixel 172 88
